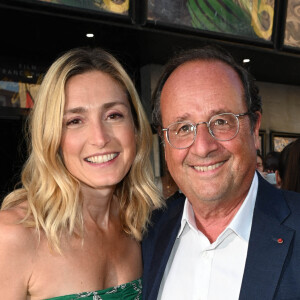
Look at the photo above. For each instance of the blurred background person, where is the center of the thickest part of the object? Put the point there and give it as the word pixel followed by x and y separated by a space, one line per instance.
pixel 74 226
pixel 259 163
pixel 271 161
pixel 288 173
pixel 270 166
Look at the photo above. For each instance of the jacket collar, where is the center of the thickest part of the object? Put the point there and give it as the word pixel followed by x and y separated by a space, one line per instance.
pixel 269 243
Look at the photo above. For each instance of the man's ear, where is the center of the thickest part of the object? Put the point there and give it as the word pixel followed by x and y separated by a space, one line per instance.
pixel 161 135
pixel 256 130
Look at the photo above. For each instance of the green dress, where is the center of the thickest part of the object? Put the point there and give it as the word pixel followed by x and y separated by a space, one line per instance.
pixel 127 291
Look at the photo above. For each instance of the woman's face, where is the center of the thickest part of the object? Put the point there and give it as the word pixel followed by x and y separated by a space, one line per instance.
pixel 98 141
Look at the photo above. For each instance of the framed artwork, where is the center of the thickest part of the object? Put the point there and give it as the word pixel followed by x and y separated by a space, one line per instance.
pixel 250 19
pixel 262 143
pixel 292 24
pixel 17 94
pixel 120 7
pixel 19 83
pixel 281 139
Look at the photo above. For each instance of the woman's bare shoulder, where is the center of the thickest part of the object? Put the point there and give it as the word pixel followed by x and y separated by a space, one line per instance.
pixel 12 231
pixel 17 251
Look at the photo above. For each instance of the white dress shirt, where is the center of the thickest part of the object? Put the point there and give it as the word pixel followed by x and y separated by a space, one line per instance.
pixel 199 270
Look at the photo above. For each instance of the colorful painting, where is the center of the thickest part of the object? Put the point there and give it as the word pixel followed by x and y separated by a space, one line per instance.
pixel 292 24
pixel 19 83
pixel 17 94
pixel 280 140
pixel 113 6
pixel 249 18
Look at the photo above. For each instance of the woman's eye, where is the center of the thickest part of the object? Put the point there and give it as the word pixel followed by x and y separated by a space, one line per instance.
pixel 73 122
pixel 115 116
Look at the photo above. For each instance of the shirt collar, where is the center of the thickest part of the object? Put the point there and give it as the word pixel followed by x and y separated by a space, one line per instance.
pixel 240 224
pixel 188 217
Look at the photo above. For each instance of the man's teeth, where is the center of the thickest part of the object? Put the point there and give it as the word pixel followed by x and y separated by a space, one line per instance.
pixel 208 168
pixel 101 158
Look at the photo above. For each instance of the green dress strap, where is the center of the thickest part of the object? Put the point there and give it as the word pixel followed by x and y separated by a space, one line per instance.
pixel 127 291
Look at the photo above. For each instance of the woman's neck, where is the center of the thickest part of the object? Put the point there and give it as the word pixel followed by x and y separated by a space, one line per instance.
pixel 100 206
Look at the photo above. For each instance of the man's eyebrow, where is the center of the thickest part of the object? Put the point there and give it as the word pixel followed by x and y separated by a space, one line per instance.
pixel 219 111
pixel 186 116
pixel 182 118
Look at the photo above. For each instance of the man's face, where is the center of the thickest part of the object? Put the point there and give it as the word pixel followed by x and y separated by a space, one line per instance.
pixel 195 92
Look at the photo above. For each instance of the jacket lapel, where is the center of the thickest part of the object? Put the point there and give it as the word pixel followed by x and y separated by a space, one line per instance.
pixel 269 244
pixel 159 244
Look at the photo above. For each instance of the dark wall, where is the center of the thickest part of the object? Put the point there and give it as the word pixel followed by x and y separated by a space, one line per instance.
pixel 12 153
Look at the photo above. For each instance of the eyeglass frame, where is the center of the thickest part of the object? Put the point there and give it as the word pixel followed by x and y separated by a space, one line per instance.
pixel 208 127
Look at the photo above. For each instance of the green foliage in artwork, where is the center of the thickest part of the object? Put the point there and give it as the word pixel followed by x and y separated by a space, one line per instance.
pixel 224 16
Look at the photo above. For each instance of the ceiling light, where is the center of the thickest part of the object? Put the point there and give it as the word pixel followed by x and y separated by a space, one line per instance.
pixel 90 35
pixel 246 60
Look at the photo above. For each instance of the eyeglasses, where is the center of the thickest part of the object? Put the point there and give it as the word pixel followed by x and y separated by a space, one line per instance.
pixel 222 127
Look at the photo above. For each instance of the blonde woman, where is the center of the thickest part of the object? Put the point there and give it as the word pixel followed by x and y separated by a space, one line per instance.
pixel 73 230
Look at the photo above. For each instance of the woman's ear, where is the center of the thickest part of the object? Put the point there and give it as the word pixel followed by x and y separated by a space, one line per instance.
pixel 278 179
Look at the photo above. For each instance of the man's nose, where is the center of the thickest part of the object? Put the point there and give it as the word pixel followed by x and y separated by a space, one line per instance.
pixel 204 142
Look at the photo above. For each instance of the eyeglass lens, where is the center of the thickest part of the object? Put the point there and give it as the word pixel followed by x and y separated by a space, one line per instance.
pixel 222 127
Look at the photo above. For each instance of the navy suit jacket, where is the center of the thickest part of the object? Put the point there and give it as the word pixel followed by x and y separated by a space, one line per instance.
pixel 272 269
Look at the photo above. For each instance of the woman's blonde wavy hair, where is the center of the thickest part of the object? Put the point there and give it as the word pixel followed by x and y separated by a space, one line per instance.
pixel 52 193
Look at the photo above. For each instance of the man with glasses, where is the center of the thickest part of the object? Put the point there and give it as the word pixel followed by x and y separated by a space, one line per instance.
pixel 229 234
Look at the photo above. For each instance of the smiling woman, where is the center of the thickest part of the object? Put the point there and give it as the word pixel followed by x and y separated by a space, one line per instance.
pixel 87 187
pixel 98 140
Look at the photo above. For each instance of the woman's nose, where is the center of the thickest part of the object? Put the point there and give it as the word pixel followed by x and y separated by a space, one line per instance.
pixel 99 134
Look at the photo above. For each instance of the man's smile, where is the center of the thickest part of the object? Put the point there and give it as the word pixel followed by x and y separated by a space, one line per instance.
pixel 208 168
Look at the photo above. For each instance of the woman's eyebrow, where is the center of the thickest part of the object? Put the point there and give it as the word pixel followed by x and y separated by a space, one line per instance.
pixel 75 110
pixel 114 103
pixel 81 109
